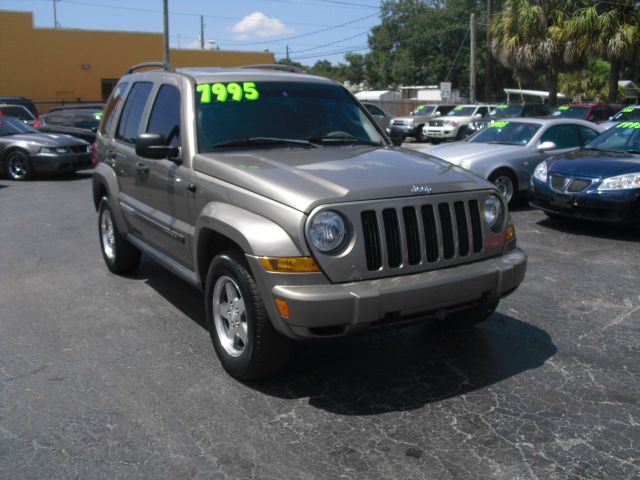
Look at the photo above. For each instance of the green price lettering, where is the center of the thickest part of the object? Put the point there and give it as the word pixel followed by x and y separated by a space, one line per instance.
pixel 233 91
pixel 628 125
pixel 250 91
pixel 504 105
pixel 498 124
pixel 205 91
pixel 457 109
pixel 563 108
pixel 220 91
pixel 627 110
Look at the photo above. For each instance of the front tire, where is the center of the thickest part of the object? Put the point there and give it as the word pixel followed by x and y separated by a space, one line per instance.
pixel 119 255
pixel 506 183
pixel 17 165
pixel 245 341
pixel 420 136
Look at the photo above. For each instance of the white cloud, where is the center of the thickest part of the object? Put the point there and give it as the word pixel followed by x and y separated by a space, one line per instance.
pixel 258 25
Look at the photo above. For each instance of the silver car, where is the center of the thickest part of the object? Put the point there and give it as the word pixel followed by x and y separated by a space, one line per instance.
pixel 25 151
pixel 507 151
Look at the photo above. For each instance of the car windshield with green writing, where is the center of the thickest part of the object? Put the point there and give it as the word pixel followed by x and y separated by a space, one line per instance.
pixel 566 111
pixel 507 133
pixel 624 137
pixel 461 112
pixel 289 114
pixel 424 110
pixel 626 114
pixel 506 110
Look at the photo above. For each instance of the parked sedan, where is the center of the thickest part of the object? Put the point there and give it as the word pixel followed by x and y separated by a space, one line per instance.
pixel 593 112
pixel 507 151
pixel 25 151
pixel 17 111
pixel 80 122
pixel 600 182
pixel 625 115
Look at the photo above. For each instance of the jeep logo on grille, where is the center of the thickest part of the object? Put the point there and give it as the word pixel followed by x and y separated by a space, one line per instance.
pixel 420 189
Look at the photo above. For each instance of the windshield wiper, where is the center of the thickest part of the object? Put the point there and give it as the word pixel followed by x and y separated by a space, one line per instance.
pixel 344 137
pixel 256 141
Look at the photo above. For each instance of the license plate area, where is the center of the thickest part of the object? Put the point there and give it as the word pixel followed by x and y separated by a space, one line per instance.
pixel 560 200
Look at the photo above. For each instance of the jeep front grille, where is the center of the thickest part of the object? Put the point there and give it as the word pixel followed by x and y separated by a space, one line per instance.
pixel 450 230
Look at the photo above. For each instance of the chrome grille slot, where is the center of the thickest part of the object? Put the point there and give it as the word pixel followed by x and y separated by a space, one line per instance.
pixel 371 240
pixel 430 232
pixel 476 225
pixel 412 234
pixel 446 227
pixel 463 229
pixel 392 236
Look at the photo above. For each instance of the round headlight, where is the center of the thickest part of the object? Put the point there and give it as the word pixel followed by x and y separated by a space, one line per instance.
pixel 493 211
pixel 328 231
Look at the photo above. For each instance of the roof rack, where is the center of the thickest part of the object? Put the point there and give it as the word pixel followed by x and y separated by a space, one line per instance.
pixel 276 66
pixel 164 65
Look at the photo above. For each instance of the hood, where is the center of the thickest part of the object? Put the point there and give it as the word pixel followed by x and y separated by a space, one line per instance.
pixel 468 151
pixel 306 178
pixel 48 139
pixel 415 118
pixel 594 163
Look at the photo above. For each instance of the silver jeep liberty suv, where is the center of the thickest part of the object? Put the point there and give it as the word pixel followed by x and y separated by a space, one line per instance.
pixel 277 195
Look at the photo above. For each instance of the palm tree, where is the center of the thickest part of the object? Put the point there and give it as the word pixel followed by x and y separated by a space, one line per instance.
pixel 607 30
pixel 527 38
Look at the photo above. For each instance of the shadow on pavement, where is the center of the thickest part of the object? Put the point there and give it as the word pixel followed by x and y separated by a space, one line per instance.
pixel 593 229
pixel 407 369
pixel 387 370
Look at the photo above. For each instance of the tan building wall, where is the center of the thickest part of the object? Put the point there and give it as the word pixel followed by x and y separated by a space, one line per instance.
pixel 47 64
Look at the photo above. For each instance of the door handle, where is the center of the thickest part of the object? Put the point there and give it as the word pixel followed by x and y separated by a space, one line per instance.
pixel 142 167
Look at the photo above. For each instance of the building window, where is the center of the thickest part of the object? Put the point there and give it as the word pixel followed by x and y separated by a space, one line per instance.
pixel 107 86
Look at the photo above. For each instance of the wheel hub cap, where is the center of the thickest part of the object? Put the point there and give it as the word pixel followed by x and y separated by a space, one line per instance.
pixel 229 316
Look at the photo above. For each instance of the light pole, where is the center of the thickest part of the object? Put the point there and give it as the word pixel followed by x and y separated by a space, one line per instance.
pixel 166 30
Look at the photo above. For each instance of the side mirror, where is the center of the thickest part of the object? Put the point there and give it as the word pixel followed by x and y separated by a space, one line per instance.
pixel 437 114
pixel 154 146
pixel 396 137
pixel 546 146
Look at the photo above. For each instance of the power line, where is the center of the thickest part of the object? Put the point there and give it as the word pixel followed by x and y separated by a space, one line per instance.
pixel 455 59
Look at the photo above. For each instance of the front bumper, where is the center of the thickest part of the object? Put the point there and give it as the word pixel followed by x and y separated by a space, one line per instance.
pixel 317 311
pixel 622 206
pixel 441 132
pixel 64 162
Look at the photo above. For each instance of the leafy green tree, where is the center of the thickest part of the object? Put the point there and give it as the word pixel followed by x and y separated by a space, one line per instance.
pixel 589 83
pixel 608 30
pixel 528 37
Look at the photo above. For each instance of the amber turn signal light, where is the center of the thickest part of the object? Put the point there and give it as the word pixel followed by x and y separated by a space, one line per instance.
pixel 289 264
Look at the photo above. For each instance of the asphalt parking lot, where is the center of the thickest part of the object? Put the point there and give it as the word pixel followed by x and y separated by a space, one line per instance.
pixel 115 377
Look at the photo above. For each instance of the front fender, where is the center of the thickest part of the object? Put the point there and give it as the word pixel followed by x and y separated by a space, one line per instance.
pixel 105 178
pixel 256 235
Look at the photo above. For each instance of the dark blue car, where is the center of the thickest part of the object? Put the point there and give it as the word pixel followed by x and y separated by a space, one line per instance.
pixel 600 182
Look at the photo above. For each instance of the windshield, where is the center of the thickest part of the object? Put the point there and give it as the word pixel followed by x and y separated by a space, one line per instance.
pixel 571 112
pixel 11 126
pixel 508 133
pixel 626 114
pixel 229 114
pixel 507 111
pixel 427 110
pixel 461 112
pixel 622 138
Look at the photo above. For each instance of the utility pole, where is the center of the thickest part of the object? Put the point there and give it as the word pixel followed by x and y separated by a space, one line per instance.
pixel 166 30
pixel 488 83
pixel 287 53
pixel 55 15
pixel 472 66
pixel 201 32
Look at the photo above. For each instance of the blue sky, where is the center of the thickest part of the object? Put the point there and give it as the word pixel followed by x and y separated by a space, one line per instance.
pixel 313 29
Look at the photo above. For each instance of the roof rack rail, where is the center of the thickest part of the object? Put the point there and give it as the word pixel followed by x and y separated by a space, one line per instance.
pixel 276 66
pixel 164 65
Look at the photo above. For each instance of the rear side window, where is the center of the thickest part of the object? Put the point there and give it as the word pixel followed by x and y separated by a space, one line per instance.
pixel 587 134
pixel 114 100
pixel 564 136
pixel 165 114
pixel 18 112
pixel 132 112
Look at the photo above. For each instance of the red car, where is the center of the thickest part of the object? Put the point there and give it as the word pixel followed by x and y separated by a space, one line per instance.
pixel 593 112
